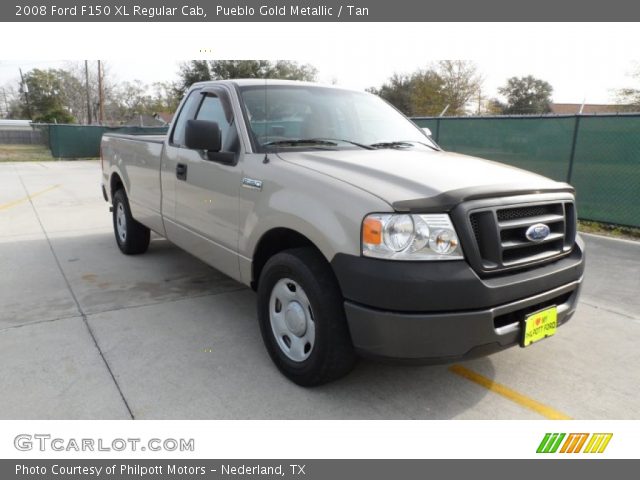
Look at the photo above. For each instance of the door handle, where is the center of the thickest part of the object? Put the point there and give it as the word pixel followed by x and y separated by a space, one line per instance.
pixel 181 171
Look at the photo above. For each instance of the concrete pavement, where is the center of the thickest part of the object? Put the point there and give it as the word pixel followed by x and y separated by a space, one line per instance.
pixel 86 332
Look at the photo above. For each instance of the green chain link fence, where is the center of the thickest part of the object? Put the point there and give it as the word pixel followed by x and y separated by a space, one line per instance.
pixel 83 141
pixel 598 154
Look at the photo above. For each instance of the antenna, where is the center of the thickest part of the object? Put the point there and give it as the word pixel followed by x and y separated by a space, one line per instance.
pixel 584 100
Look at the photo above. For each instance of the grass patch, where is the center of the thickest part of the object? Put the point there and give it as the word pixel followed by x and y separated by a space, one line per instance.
pixel 609 230
pixel 25 153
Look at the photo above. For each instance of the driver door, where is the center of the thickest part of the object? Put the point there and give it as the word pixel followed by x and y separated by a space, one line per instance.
pixel 206 190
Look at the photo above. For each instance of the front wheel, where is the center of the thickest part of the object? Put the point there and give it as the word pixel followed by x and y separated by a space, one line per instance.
pixel 132 237
pixel 302 320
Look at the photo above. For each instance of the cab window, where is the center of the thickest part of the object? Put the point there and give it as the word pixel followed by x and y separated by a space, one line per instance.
pixel 211 109
pixel 187 112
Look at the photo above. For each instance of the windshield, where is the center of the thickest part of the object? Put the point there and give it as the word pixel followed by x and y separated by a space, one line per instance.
pixel 292 116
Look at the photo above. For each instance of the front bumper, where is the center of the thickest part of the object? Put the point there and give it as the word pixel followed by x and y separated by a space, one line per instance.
pixel 459 315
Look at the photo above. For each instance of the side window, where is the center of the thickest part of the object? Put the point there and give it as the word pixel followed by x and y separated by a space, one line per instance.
pixel 187 112
pixel 211 110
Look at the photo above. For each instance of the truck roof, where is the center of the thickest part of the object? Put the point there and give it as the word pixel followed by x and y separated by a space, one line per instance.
pixel 245 82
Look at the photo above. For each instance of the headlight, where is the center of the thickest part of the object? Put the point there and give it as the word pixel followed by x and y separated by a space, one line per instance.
pixel 410 237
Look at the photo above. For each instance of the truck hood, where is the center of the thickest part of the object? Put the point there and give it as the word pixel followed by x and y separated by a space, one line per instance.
pixel 410 177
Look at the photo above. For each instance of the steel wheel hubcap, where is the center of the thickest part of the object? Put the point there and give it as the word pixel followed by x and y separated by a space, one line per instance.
pixel 292 320
pixel 121 223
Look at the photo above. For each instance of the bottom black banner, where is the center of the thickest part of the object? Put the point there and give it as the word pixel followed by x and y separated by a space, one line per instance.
pixel 317 469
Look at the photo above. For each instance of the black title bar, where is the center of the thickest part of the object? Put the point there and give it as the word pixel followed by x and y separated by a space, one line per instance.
pixel 317 10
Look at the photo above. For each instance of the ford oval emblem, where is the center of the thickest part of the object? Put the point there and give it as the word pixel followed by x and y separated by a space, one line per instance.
pixel 538 232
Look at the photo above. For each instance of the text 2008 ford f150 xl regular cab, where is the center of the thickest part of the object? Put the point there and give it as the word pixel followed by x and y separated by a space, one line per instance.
pixel 359 234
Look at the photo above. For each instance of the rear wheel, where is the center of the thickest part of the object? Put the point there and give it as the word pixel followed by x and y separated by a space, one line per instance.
pixel 132 237
pixel 302 320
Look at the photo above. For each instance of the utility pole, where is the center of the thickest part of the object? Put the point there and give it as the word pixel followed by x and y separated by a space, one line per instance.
pixel 86 76
pixel 479 101
pixel 25 90
pixel 6 103
pixel 100 93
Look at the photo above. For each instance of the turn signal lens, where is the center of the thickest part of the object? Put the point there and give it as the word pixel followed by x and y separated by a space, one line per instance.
pixel 372 231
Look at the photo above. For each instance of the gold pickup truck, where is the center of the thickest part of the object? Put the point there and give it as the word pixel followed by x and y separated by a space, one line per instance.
pixel 360 235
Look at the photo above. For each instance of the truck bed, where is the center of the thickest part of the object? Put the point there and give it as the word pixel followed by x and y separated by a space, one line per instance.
pixel 138 138
pixel 138 158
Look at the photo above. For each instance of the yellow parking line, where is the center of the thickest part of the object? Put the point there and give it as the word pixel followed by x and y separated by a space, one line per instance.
pixel 509 394
pixel 6 206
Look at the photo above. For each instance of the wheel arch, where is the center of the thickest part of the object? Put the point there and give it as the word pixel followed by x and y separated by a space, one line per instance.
pixel 115 183
pixel 273 242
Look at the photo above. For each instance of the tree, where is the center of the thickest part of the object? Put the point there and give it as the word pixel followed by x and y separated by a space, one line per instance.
pixel 397 91
pixel 630 95
pixel 419 93
pixel 60 95
pixel 225 69
pixel 289 70
pixel 163 97
pixel 460 83
pixel 282 69
pixel 428 92
pixel 427 95
pixel 493 106
pixel 128 100
pixel 201 70
pixel 131 99
pixel 190 73
pixel 10 104
pixel 526 96
pixel 47 92
pixel 77 98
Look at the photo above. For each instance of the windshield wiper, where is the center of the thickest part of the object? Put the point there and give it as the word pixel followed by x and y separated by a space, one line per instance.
pixel 400 144
pixel 294 142
pixel 361 145
pixel 330 142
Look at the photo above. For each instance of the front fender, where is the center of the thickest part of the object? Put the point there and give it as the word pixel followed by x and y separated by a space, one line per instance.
pixel 325 210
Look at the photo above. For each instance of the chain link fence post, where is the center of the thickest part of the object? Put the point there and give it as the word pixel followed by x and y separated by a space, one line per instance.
pixel 574 142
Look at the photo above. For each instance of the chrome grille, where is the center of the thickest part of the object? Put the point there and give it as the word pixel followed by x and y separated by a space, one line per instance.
pixel 500 233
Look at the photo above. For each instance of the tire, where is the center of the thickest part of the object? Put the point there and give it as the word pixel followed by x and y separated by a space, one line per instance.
pixel 302 319
pixel 132 237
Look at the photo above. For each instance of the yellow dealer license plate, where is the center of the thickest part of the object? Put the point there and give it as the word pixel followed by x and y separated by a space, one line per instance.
pixel 540 325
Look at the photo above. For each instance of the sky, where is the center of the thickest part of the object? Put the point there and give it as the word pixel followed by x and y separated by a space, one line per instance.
pixel 582 61
pixel 573 81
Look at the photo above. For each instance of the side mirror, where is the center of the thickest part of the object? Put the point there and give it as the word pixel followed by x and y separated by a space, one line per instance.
pixel 427 131
pixel 203 135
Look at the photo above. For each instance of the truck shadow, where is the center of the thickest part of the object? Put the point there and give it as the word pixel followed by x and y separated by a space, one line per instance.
pixel 171 326
pixel 411 392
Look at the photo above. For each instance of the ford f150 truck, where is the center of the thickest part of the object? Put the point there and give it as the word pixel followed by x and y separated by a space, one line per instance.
pixel 360 235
